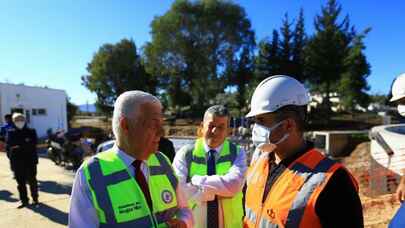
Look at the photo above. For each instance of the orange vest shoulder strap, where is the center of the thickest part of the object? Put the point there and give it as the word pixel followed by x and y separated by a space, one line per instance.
pixel 317 170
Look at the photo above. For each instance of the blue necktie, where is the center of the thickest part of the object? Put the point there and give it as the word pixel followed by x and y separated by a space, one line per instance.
pixel 212 206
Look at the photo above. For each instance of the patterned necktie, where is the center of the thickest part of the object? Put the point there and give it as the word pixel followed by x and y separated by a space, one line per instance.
pixel 140 178
pixel 212 206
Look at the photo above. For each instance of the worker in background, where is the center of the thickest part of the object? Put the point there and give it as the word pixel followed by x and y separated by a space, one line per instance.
pixel 6 126
pixel 398 97
pixel 167 148
pixel 130 185
pixel 291 184
pixel 212 171
pixel 3 134
pixel 22 147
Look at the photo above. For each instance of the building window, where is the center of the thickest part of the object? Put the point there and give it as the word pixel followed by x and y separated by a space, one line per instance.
pixel 17 110
pixel 41 112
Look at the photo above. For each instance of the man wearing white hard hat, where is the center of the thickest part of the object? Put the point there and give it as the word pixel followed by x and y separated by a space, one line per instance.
pixel 398 97
pixel 291 184
pixel 398 93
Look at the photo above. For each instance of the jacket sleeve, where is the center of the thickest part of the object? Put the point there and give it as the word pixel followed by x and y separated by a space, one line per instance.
pixel 194 193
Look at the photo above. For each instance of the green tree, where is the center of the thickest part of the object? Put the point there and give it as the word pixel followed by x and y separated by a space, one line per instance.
pixel 114 69
pixel 327 50
pixel 267 61
pixel 298 44
pixel 282 55
pixel 242 75
pixel 353 84
pixel 194 47
pixel 286 47
pixel 71 110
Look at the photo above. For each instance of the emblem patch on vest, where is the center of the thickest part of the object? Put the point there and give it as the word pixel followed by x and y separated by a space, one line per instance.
pixel 167 196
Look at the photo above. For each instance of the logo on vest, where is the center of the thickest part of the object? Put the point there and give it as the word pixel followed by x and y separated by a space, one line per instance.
pixel 127 208
pixel 167 196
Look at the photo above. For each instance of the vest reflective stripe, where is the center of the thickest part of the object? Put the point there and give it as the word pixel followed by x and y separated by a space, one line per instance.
pixel 250 215
pixel 196 158
pixel 193 152
pixel 202 160
pixel 164 169
pixel 264 223
pixel 101 187
pixel 301 201
pixel 99 180
pixel 292 198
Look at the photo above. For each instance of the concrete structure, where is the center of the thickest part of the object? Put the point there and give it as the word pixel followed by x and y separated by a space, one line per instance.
pixel 333 143
pixel 44 107
pixel 388 156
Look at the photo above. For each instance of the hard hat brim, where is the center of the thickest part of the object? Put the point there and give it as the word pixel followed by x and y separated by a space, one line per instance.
pixel 395 98
pixel 250 114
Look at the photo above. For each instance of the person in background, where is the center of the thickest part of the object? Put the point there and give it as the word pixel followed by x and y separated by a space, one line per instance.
pixel 167 148
pixel 3 134
pixel 6 126
pixel 22 146
pixel 212 172
pixel 398 97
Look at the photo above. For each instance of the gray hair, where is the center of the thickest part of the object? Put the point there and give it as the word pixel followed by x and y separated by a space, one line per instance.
pixel 217 110
pixel 127 104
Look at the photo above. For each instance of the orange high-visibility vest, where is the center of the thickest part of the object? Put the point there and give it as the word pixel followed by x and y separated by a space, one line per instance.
pixel 292 198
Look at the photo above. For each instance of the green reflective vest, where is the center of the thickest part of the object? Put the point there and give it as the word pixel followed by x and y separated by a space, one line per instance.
pixel 117 197
pixel 197 165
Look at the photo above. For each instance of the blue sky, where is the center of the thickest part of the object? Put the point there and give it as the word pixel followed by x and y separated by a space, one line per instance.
pixel 47 42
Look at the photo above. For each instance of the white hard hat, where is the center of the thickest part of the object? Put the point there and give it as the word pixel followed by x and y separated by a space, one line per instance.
pixel 398 88
pixel 17 115
pixel 275 92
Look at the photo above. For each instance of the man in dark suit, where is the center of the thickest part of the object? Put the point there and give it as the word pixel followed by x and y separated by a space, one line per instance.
pixel 21 144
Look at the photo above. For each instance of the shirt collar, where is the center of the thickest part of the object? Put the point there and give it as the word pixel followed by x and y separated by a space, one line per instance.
pixel 126 158
pixel 207 148
pixel 308 146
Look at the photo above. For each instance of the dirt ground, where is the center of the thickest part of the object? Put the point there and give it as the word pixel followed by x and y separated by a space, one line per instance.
pixel 379 203
pixel 55 185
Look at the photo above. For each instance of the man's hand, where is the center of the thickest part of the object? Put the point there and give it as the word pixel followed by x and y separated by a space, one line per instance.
pixel 400 193
pixel 176 223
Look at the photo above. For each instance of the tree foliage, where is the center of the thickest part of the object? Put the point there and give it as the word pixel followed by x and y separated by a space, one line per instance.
pixel 283 54
pixel 333 55
pixel 114 69
pixel 204 52
pixel 195 46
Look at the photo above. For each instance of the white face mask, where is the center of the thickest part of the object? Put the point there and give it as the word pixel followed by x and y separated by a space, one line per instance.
pixel 19 124
pixel 401 110
pixel 261 137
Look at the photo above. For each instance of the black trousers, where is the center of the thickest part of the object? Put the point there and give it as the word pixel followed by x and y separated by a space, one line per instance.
pixel 26 174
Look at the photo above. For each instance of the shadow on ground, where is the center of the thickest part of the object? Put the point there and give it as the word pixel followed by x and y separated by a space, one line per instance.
pixel 7 196
pixel 51 213
pixel 54 187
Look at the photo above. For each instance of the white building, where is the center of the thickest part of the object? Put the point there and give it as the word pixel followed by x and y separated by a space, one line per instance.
pixel 44 108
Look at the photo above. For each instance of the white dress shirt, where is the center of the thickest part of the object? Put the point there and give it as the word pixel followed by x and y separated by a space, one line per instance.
pixel 204 188
pixel 82 214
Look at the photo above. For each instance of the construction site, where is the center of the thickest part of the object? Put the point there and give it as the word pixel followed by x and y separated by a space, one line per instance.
pixel 374 156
